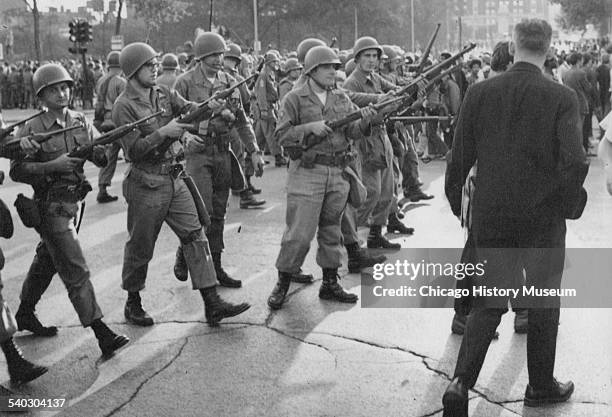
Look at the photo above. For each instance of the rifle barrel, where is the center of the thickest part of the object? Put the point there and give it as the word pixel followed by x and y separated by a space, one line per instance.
pixel 428 49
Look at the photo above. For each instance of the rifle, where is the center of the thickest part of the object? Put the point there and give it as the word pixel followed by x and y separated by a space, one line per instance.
pixel 421 66
pixel 7 130
pixel 257 71
pixel 333 42
pixel 411 120
pixel 85 151
pixel 203 111
pixel 12 148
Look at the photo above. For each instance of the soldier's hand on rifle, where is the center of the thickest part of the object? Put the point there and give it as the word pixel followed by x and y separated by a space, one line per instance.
pixel 28 145
pixel 65 163
pixel 173 129
pixel 216 105
pixel 258 163
pixel 368 113
pixel 318 128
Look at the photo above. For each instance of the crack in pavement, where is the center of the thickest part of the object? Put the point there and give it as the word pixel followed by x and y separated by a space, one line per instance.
pixel 143 383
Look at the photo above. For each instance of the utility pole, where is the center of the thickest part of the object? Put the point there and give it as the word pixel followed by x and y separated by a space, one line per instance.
pixel 356 25
pixel 210 18
pixel 256 46
pixel 412 24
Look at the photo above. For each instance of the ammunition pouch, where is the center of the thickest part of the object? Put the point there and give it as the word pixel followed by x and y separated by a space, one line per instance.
pixel 6 221
pixel 71 193
pixel 28 210
pixel 294 151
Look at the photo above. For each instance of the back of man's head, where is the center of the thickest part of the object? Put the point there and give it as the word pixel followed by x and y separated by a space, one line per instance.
pixel 574 58
pixel 533 36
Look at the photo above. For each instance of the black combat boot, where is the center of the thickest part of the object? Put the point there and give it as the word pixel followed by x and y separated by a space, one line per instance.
pixel 250 186
pixel 377 240
pixel 108 340
pixel 247 200
pixel 216 309
pixel 134 312
pixel 359 259
pixel 27 320
pixel 331 290
pixel 395 225
pixel 417 195
pixel 181 272
pixel 224 279
pixel 20 369
pixel 277 298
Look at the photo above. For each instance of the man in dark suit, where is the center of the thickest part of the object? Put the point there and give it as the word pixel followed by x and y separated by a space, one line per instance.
pixel 524 131
pixel 576 79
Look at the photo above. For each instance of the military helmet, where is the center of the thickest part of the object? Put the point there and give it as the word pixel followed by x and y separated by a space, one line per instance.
pixel 50 74
pixel 320 55
pixel 391 52
pixel 271 56
pixel 183 58
pixel 305 46
pixel 234 51
pixel 364 43
pixel 134 56
pixel 208 43
pixel 112 59
pixel 169 62
pixel 292 64
pixel 350 66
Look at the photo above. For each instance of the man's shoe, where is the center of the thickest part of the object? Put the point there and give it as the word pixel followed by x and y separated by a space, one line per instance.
pixel 253 190
pixel 134 313
pixel 376 240
pixel 395 225
pixel 181 271
pixel 27 320
pixel 20 369
pixel 333 291
pixel 417 196
pixel 106 198
pixel 361 259
pixel 216 309
pixel 247 200
pixel 557 393
pixel 111 343
pixel 521 321
pixel 280 161
pixel 455 399
pixel 277 297
pixel 301 278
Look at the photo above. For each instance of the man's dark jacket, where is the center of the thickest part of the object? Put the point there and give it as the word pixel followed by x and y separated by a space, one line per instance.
pixel 523 130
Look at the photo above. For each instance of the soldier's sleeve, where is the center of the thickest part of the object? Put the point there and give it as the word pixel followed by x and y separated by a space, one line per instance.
pixel 260 93
pixel 362 99
pixel 134 144
pixel 288 131
pixel 27 170
pixel 386 85
pixel 283 89
pixel 245 131
pixel 358 129
pixel 271 91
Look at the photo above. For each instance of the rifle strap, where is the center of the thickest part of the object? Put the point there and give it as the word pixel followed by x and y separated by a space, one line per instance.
pixel 77 224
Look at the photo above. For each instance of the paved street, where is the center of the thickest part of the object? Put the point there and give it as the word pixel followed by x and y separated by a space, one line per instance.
pixel 312 358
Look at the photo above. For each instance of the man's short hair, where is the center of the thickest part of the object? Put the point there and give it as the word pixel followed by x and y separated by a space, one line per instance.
pixel 501 58
pixel 574 58
pixel 605 59
pixel 533 35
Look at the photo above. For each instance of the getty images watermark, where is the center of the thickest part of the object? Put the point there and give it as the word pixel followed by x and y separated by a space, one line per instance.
pixel 441 277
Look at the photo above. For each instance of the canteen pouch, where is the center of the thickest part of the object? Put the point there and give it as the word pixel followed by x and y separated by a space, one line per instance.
pixel 28 211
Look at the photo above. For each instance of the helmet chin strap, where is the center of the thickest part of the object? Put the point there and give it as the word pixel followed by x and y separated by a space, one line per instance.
pixel 323 87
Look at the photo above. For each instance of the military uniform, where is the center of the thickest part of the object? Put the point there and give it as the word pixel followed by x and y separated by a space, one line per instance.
pixel 265 111
pixel 153 191
pixel 284 87
pixel 213 165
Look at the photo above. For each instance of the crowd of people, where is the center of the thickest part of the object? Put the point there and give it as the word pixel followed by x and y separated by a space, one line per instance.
pixel 186 160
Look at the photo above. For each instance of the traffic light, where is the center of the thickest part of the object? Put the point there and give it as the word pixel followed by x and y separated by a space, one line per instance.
pixel 87 32
pixel 73 30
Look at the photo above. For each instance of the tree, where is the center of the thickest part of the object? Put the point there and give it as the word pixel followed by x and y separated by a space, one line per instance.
pixel 36 16
pixel 118 21
pixel 577 14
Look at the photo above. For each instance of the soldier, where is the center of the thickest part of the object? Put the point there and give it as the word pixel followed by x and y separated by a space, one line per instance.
pixel 266 106
pixel 376 154
pixel 108 89
pixel 169 64
pixel 154 190
pixel 317 190
pixel 213 165
pixel 231 61
pixel 59 188
pixel 293 69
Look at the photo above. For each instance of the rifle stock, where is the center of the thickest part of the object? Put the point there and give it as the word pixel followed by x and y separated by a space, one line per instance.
pixel 12 148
